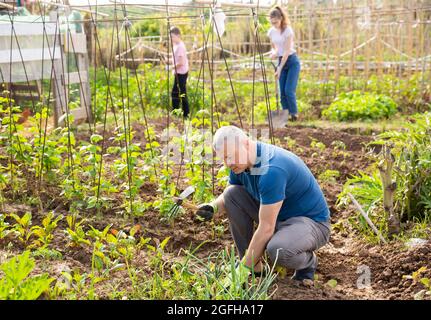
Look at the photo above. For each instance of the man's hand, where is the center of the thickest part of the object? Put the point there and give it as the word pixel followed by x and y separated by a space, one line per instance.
pixel 206 211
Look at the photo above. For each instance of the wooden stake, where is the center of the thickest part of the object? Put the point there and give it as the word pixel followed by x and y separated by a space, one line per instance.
pixel 389 187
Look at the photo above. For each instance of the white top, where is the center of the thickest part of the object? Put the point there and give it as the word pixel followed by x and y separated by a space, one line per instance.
pixel 279 39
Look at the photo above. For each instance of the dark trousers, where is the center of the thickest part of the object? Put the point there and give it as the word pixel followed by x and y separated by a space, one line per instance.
pixel 179 93
pixel 294 239
pixel 287 83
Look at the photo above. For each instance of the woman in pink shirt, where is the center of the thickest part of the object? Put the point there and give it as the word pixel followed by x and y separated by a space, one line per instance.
pixel 180 70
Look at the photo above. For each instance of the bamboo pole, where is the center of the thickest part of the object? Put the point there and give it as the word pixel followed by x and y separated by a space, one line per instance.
pixel 409 20
pixel 321 47
pixel 398 44
pixel 330 29
pixel 367 55
pixel 352 56
pixel 310 38
pixel 339 48
pixel 426 46
pixel 365 215
pixel 378 51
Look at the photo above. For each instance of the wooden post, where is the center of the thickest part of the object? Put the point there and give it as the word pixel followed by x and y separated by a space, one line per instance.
pixel 389 187
pixel 76 43
pixel 85 91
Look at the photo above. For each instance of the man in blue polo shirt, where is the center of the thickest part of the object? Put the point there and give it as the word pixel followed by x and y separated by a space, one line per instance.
pixel 274 188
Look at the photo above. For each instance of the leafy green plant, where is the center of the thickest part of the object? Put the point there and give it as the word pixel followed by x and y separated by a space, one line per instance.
pixel 218 229
pixel 356 105
pixel 44 233
pixel 316 144
pixel 340 150
pixel 47 254
pixel 15 144
pixel 291 143
pixel 417 276
pixel 75 232
pixel 165 207
pixel 198 167
pixel 329 176
pixel 410 149
pixel 4 227
pixel 412 153
pixel 23 227
pixel 72 284
pixel 16 282
pixel 367 190
pixel 47 157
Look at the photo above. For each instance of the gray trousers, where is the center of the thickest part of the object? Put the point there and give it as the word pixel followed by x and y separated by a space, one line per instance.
pixel 294 239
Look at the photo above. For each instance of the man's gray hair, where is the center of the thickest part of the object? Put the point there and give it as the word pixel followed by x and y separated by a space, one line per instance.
pixel 228 134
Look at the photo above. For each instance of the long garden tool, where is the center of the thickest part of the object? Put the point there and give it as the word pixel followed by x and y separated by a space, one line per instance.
pixel 180 201
pixel 279 117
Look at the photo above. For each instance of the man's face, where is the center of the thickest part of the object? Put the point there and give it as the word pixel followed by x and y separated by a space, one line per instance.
pixel 235 155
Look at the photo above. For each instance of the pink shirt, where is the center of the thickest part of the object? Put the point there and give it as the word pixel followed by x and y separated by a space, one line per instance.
pixel 180 54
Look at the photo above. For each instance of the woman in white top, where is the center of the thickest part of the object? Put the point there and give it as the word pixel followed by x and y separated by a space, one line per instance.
pixel 283 48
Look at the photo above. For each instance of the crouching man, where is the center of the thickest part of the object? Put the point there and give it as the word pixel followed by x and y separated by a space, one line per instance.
pixel 273 188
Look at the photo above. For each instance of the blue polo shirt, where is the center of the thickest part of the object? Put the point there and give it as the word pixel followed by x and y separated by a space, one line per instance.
pixel 281 175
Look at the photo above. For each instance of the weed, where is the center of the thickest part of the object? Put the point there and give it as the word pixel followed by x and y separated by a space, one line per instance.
pixel 329 176
pixel 16 284
pixel 417 277
pixel 44 233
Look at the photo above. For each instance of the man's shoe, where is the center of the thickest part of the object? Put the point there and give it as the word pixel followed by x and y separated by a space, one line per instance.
pixel 306 273
pixel 294 117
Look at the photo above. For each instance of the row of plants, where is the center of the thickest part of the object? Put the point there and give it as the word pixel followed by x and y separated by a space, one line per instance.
pixel 360 99
pixel 107 171
pixel 356 105
pixel 129 265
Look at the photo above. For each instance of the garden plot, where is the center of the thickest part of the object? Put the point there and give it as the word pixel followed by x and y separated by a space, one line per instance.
pixel 104 254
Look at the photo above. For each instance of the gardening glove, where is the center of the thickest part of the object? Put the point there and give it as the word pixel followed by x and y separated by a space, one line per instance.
pixel 237 278
pixel 206 211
